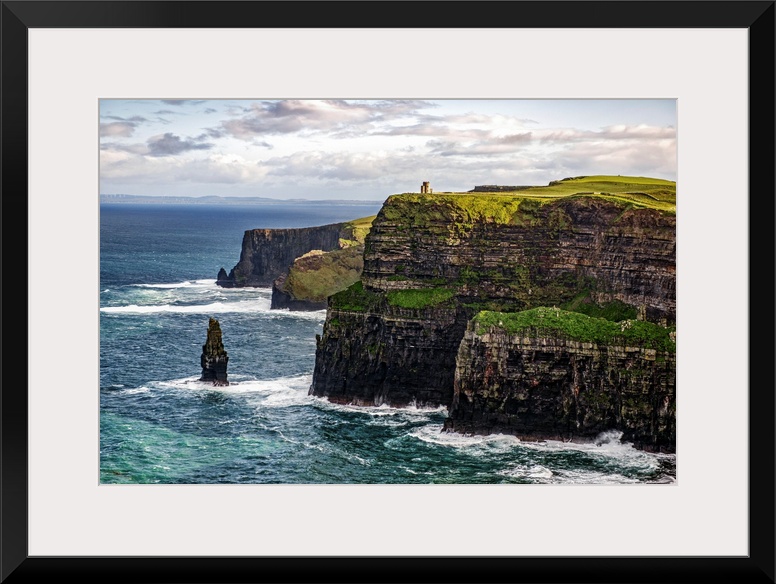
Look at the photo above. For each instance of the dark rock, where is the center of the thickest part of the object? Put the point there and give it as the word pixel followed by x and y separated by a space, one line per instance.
pixel 548 254
pixel 224 280
pixel 214 357
pixel 282 298
pixel 266 254
pixel 551 388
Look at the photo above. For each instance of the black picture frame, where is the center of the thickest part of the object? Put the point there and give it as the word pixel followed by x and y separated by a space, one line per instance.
pixel 755 16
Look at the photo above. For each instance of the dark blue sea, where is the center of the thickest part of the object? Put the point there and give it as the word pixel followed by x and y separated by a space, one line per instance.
pixel 159 424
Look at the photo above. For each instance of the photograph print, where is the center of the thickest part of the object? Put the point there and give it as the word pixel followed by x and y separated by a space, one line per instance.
pixel 387 291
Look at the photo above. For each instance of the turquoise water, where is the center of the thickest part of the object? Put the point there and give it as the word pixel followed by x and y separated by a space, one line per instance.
pixel 159 424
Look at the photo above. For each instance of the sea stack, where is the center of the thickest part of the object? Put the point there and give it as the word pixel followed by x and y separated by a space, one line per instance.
pixel 214 357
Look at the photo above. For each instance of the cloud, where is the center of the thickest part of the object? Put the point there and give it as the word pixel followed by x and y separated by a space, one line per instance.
pixel 121 126
pixel 116 129
pixel 619 132
pixel 309 116
pixel 494 145
pixel 121 165
pixel 119 147
pixel 182 101
pixel 169 144
pixel 653 158
pixel 131 119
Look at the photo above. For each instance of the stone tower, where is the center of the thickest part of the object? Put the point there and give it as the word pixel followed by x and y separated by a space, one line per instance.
pixel 425 188
pixel 214 357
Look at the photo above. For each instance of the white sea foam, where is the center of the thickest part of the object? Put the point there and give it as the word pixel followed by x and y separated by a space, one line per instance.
pixel 607 445
pixel 542 475
pixel 281 392
pixel 243 306
pixel 536 472
pixel 433 434
pixel 187 284
pixel 410 412
pixel 135 390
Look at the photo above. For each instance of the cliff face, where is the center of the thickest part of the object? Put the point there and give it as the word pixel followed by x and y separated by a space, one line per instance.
pixel 388 355
pixel 268 253
pixel 525 253
pixel 549 387
pixel 315 276
pixel 432 262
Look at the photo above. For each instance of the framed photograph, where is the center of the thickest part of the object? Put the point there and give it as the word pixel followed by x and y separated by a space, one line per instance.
pixel 313 302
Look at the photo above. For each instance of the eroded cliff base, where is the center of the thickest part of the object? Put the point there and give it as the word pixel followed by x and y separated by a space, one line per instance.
pixel 537 377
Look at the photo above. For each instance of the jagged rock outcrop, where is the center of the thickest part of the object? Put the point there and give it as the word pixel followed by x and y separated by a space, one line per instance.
pixel 214 357
pixel 315 276
pixel 539 383
pixel 432 262
pixel 267 254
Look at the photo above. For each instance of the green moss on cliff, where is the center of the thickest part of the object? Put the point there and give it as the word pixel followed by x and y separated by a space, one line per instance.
pixel 419 298
pixel 355 298
pixel 554 322
pixel 614 311
pixel 359 228
pixel 315 277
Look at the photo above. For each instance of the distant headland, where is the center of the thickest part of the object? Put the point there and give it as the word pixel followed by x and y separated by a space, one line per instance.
pixel 217 200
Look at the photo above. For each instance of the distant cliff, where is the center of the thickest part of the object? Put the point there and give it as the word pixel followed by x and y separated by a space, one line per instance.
pixel 433 262
pixel 267 254
pixel 315 276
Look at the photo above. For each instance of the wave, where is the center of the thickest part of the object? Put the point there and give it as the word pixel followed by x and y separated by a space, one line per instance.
pixel 411 411
pixel 542 475
pixel 187 284
pixel 606 445
pixel 257 305
pixel 433 434
pixel 279 392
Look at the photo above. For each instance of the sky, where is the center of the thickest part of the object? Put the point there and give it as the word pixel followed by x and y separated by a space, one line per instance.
pixel 370 149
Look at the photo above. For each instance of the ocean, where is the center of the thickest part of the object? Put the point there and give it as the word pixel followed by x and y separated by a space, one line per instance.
pixel 160 425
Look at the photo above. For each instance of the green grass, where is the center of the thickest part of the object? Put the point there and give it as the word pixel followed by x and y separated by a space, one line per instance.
pixel 459 211
pixel 614 311
pixel 555 322
pixel 355 298
pixel 360 228
pixel 419 297
pixel 317 277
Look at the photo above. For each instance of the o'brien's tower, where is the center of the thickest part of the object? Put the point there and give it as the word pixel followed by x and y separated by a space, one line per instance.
pixel 425 188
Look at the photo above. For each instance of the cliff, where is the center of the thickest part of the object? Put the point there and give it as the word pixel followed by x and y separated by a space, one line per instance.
pixel 267 254
pixel 315 276
pixel 552 374
pixel 602 246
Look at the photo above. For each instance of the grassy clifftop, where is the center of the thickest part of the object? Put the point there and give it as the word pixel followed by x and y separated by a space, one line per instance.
pixel 519 206
pixel 355 231
pixel 544 321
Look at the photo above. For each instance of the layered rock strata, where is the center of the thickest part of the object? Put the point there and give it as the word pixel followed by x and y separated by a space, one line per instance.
pixel 432 262
pixel 536 384
pixel 266 254
pixel 214 358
